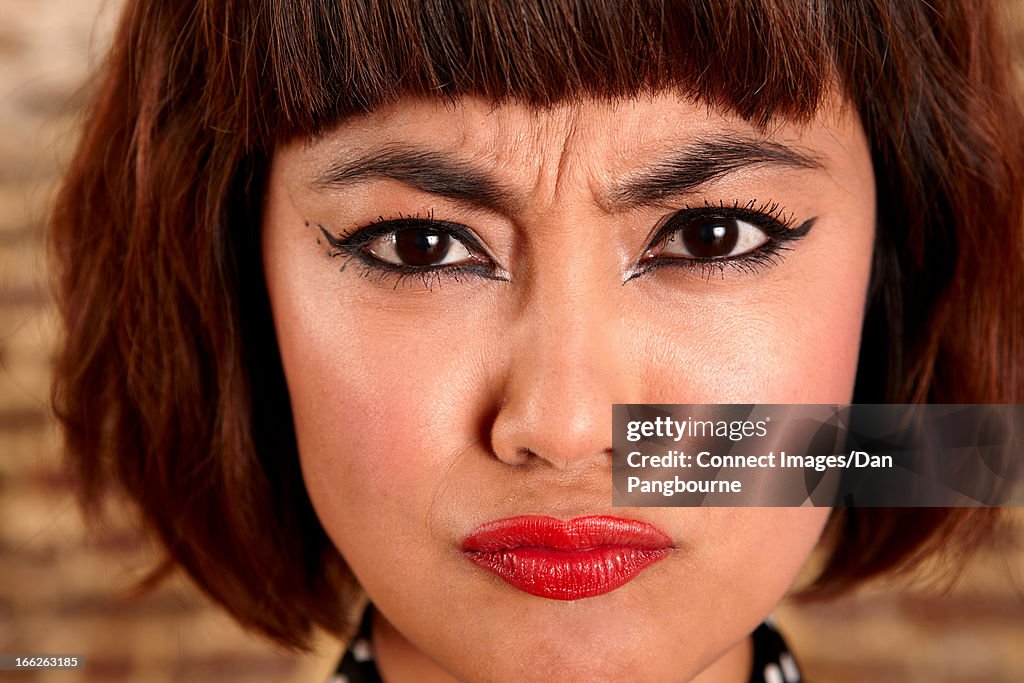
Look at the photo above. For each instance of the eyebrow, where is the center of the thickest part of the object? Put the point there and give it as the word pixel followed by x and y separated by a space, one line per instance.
pixel 702 162
pixel 682 172
pixel 427 171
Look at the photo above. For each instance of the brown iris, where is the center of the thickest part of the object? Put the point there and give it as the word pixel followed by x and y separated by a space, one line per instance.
pixel 710 237
pixel 421 247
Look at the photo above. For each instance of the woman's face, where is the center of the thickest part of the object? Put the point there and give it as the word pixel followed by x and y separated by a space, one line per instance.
pixel 461 292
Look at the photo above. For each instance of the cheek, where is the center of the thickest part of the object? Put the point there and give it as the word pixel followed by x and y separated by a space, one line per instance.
pixel 382 413
pixel 791 342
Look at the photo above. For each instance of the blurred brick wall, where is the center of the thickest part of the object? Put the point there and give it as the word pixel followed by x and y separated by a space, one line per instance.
pixel 60 589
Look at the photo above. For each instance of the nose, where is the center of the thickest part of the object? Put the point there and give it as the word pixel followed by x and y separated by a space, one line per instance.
pixel 566 368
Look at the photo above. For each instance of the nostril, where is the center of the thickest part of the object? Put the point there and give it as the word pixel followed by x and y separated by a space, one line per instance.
pixel 524 455
pixel 515 456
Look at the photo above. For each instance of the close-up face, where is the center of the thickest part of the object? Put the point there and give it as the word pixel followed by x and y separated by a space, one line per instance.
pixel 462 291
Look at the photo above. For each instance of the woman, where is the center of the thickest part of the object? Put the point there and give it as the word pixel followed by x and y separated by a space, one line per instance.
pixel 350 289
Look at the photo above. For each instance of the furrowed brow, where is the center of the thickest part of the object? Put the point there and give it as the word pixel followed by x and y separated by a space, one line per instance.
pixel 702 162
pixel 426 170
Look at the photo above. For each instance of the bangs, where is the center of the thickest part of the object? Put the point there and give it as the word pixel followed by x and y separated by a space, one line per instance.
pixel 297 68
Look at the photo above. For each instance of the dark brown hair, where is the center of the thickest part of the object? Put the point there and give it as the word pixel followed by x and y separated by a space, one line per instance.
pixel 169 386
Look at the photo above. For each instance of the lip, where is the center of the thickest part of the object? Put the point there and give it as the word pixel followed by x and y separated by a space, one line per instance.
pixel 566 559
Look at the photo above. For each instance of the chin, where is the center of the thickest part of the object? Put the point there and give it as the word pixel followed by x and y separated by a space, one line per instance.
pixel 584 641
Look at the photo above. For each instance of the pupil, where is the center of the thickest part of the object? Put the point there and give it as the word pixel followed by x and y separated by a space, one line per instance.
pixel 421 247
pixel 714 238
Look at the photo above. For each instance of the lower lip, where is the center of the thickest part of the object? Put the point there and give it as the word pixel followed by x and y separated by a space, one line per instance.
pixel 566 560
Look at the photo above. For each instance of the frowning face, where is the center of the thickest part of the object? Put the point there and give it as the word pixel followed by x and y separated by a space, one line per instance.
pixel 460 294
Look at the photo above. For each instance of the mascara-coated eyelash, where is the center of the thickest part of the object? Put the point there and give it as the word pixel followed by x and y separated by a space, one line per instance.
pixel 711 238
pixel 412 246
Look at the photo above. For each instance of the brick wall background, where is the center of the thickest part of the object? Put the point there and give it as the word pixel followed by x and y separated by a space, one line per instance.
pixel 61 589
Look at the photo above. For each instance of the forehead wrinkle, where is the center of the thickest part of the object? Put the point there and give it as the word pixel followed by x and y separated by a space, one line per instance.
pixel 550 138
pixel 568 143
pixel 531 149
pixel 514 149
pixel 492 140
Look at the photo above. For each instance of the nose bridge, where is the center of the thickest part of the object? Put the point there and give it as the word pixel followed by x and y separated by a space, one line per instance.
pixel 565 369
pixel 570 328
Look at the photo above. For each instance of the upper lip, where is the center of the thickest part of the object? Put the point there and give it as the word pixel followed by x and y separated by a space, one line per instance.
pixel 582 533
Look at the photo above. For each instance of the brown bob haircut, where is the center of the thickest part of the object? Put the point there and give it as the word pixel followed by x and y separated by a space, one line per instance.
pixel 169 386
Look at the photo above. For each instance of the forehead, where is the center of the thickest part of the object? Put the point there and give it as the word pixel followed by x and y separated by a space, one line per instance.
pixel 620 132
pixel 617 155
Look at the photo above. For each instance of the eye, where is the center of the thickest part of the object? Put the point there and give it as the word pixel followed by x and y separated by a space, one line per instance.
pixel 420 247
pixel 712 238
pixel 427 248
pixel 707 238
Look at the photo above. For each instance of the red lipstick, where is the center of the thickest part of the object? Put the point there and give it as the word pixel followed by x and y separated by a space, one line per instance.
pixel 566 560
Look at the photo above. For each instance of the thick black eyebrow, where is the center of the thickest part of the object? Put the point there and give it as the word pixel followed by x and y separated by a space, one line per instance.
pixel 425 170
pixel 700 163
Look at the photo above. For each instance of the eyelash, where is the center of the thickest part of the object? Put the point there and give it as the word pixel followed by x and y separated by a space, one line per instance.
pixel 779 227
